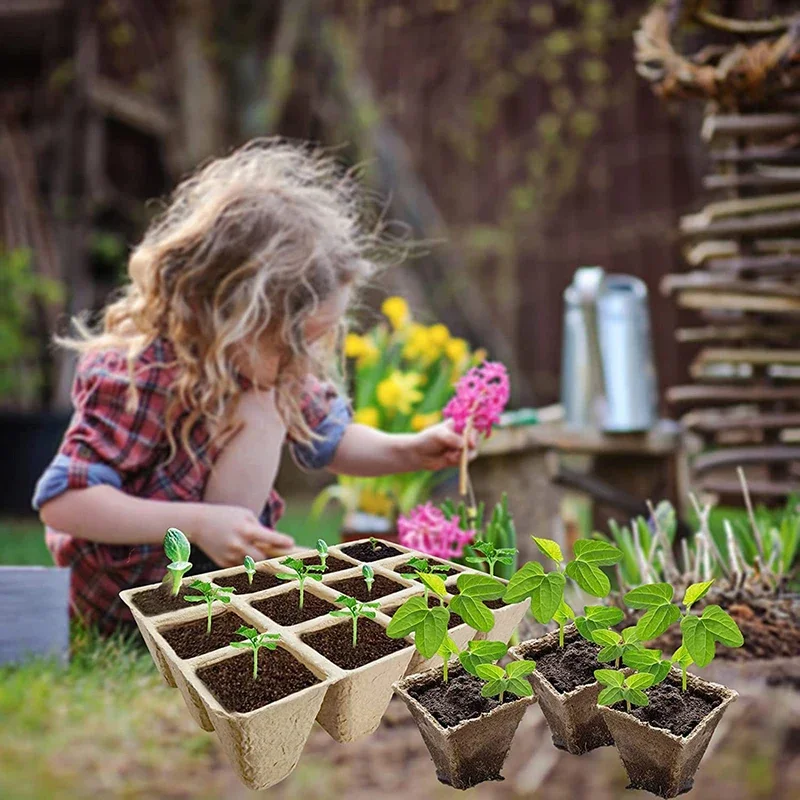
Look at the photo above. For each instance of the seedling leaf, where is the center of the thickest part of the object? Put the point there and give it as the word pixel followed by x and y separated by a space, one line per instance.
pixel 524 582
pixel 481 652
pixel 481 587
pixel 408 617
pixel 249 568
pixel 593 551
pixel 609 696
pixel 550 548
pixel 650 596
pixel 656 620
pixel 722 626
pixel 590 578
pixel 610 677
pixel 490 672
pixel 695 592
pixel 433 582
pixel 639 680
pixel 519 669
pixel 176 545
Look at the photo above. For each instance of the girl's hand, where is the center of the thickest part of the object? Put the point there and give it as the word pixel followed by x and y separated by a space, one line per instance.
pixel 438 447
pixel 229 533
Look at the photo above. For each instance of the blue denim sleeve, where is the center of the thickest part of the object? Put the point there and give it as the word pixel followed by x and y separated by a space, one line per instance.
pixel 54 480
pixel 320 452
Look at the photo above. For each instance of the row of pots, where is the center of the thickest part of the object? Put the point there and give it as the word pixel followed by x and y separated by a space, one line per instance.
pixel 265 744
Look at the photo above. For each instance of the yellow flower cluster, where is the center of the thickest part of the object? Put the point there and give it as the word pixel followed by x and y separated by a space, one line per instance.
pixel 395 309
pixel 429 343
pixel 368 416
pixel 399 392
pixel 421 421
pixel 362 349
pixel 375 502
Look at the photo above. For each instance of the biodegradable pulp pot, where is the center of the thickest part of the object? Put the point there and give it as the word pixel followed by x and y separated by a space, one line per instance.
pixel 473 751
pixel 657 760
pixel 574 717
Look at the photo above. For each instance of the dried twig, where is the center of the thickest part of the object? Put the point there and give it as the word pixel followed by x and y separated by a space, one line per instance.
pixel 750 513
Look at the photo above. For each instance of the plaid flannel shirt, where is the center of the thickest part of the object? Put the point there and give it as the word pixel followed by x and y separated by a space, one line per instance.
pixel 106 443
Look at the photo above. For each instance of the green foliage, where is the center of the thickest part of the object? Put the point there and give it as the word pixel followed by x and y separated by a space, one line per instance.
pixel 487 553
pixel 208 594
pixel 700 634
pixel 511 679
pixel 618 687
pixel 354 609
pixel 369 576
pixel 661 611
pixel 481 652
pixel 644 660
pixel 433 583
pixel 613 645
pixel 447 649
pixel 429 625
pixel 682 658
pixel 255 641
pixel 597 617
pixel 421 566
pixel 300 571
pixel 249 568
pixel 178 550
pixel 562 616
pixel 473 591
pixel 322 549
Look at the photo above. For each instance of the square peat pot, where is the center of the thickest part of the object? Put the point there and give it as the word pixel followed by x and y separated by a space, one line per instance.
pixel 657 760
pixel 473 751
pixel 35 603
pixel 574 717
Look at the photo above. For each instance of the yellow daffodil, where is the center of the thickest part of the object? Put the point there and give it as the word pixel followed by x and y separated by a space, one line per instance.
pixel 456 350
pixel 416 342
pixel 361 348
pixel 374 502
pixel 439 335
pixel 421 421
pixel 396 311
pixel 367 416
pixel 399 391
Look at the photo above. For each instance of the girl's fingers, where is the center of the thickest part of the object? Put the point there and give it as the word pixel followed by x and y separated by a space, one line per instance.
pixel 269 540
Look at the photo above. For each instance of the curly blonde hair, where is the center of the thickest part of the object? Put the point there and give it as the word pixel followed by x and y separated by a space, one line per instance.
pixel 248 247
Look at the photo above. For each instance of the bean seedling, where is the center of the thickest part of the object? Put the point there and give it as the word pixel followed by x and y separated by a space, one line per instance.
pixel 177 550
pixel 470 602
pixel 682 658
pixel 618 687
pixel 481 652
pixel 369 576
pixel 301 572
pixel 255 641
pixel 208 594
pixel 595 618
pixel 614 646
pixel 322 549
pixel 511 679
pixel 421 566
pixel 429 625
pixel 486 552
pixel 250 569
pixel 354 609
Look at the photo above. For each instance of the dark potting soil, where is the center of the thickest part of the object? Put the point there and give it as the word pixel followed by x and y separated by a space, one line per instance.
pixel 333 564
pixel 408 572
pixel 261 580
pixel 336 643
pixel 357 587
pixel 493 604
pixel 569 667
pixel 190 639
pixel 670 708
pixel 366 552
pixel 432 602
pixel 457 700
pixel 279 675
pixel 159 600
pixel 285 608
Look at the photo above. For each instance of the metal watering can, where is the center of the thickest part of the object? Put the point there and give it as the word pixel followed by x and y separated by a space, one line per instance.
pixel 608 376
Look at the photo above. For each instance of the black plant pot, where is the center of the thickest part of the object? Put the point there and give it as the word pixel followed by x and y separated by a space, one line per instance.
pixel 28 442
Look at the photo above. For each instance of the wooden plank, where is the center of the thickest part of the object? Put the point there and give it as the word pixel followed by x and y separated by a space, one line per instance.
pixel 737 301
pixel 740 456
pixel 747 205
pixel 783 153
pixel 753 225
pixel 782 264
pixel 702 279
pixel 748 355
pixel 715 125
pixel 737 332
pixel 749 180
pixel 714 422
pixel 726 395
pixel 763 489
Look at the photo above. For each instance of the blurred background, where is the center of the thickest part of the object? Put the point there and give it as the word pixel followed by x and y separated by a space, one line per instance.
pixel 519 140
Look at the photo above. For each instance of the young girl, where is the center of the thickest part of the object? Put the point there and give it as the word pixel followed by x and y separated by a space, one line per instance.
pixel 224 344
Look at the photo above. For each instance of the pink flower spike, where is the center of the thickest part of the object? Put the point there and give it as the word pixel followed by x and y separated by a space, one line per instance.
pixel 426 528
pixel 481 395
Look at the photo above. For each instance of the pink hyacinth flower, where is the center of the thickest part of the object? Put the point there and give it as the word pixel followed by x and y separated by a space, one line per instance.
pixel 426 528
pixel 481 395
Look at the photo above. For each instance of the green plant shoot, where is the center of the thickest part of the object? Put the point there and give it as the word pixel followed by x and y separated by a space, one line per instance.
pixel 431 582
pixel 618 687
pixel 470 602
pixel 481 652
pixel 369 576
pixel 614 646
pixel 374 543
pixel 447 649
pixel 421 566
pixel 562 616
pixel 255 641
pixel 700 634
pixel 511 679
pixel 354 609
pixel 644 660
pixel 208 594
pixel 595 618
pixel 250 569
pixel 486 552
pixel 301 572
pixel 429 625
pixel 682 658
pixel 322 549
pixel 177 550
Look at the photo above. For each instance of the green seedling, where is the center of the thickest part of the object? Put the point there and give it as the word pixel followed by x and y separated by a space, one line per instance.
pixel 177 550
pixel 429 625
pixel 546 589
pixel 250 569
pixel 487 553
pixel 354 609
pixel 481 652
pixel 563 615
pixel 595 618
pixel 369 576
pixel 446 651
pixel 643 660
pixel 301 572
pixel 473 592
pixel 431 582
pixel 614 645
pixel 208 594
pixel 660 611
pixel 682 658
pixel 618 687
pixel 374 543
pixel 322 549
pixel 255 641
pixel 421 566
pixel 700 634
pixel 511 679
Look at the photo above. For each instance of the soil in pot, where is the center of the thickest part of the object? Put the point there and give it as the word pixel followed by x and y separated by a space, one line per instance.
pixel 190 639
pixel 455 620
pixel 572 666
pixel 357 587
pixel 336 643
pixel 279 675
pixel 160 600
pixel 285 608
pixel 261 580
pixel 364 551
pixel 333 564
pixel 457 700
pixel 672 709
pixel 408 572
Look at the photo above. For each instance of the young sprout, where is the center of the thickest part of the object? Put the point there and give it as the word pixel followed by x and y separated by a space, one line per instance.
pixel 421 566
pixel 354 608
pixel 643 660
pixel 208 594
pixel 614 646
pixel 682 658
pixel 431 582
pixel 255 641
pixel 511 679
pixel 429 625
pixel 301 572
pixel 596 617
pixel 369 576
pixel 322 549
pixel 249 568
pixel 470 603
pixel 488 553
pixel 374 543
pixel 562 616
pixel 448 649
pixel 177 550
pixel 618 687
pixel 481 652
